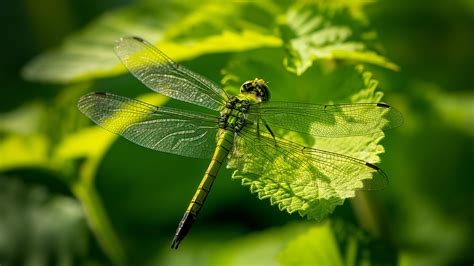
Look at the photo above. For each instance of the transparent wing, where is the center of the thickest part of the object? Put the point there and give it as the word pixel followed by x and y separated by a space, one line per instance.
pixel 340 120
pixel 158 72
pixel 159 128
pixel 293 167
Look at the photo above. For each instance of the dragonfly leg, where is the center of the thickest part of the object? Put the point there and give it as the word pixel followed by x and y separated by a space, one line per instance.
pixel 258 128
pixel 269 130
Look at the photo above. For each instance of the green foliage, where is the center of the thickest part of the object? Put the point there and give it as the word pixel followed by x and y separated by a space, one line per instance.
pixel 454 109
pixel 302 243
pixel 45 141
pixel 184 31
pixel 310 31
pixel 209 28
pixel 336 243
pixel 330 31
pixel 55 147
pixel 39 227
pixel 316 247
pixel 259 248
pixel 314 202
pixel 34 136
pixel 246 250
pixel 58 147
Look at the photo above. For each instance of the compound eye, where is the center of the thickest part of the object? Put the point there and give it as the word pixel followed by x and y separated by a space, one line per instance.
pixel 257 87
pixel 263 92
pixel 247 86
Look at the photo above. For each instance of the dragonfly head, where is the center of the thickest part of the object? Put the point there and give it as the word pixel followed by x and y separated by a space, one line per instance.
pixel 257 87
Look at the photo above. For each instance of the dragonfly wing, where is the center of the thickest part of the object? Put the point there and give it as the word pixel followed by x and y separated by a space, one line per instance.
pixel 293 167
pixel 159 128
pixel 161 74
pixel 340 120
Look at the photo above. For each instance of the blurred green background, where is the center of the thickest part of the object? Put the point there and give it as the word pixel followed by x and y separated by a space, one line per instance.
pixel 71 193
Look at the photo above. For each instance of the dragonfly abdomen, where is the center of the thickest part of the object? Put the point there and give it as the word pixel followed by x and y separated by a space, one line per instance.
pixel 224 145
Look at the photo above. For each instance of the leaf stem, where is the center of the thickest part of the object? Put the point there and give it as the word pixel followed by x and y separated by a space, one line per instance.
pixel 99 221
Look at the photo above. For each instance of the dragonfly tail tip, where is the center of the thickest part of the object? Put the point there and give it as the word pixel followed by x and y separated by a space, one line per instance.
pixel 183 229
pixel 175 243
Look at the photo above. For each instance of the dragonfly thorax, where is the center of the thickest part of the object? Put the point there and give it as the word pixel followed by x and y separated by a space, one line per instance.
pixel 256 87
pixel 233 116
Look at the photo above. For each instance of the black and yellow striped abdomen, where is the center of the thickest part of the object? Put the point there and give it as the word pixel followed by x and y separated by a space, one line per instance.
pixel 225 142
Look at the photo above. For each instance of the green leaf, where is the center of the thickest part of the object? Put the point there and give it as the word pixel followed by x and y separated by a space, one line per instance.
pixel 336 243
pixel 72 154
pixel 24 151
pixel 21 145
pixel 301 243
pixel 259 248
pixel 330 31
pixel 454 109
pixel 182 30
pixel 91 144
pixel 315 87
pixel 33 132
pixel 39 227
pixel 316 247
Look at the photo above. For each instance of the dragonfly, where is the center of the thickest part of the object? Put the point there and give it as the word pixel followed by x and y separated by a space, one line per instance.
pixel 243 129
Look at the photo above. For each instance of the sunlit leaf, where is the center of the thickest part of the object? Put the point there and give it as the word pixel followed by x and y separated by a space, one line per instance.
pixel 23 120
pixel 259 248
pixel 74 154
pixel 312 202
pixel 183 30
pixel 316 247
pixel 20 143
pixel 24 151
pixel 329 31
pixel 336 243
pixel 92 143
pixel 32 132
